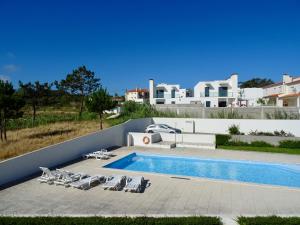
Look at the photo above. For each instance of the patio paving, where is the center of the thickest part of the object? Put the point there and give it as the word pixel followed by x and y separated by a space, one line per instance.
pixel 164 196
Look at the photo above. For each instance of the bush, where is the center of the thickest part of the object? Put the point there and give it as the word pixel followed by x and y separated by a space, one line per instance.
pixel 260 144
pixel 111 220
pixel 234 130
pixel 271 220
pixel 222 139
pixel 281 133
pixel 289 144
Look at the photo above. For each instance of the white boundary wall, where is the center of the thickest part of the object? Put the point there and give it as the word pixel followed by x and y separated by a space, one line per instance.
pixel 25 165
pixel 220 126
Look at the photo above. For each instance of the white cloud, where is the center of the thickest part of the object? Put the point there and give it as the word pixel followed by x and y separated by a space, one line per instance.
pixel 4 77
pixel 10 68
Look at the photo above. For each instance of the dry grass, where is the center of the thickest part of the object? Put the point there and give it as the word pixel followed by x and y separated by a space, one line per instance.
pixel 29 139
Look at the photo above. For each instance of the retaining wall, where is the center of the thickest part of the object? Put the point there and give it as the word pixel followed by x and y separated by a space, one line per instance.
pixel 28 164
pixel 220 126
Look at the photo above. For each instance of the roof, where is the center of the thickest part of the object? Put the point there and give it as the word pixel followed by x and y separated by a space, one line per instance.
pixel 290 95
pixel 270 96
pixel 294 82
pixel 138 90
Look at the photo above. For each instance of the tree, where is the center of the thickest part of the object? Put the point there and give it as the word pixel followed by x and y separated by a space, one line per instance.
pixel 81 82
pixel 261 101
pixel 98 102
pixel 10 105
pixel 35 94
pixel 256 82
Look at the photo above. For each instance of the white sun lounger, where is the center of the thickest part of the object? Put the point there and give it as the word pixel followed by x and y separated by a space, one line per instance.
pixel 66 178
pixel 134 184
pixel 105 152
pixel 115 182
pixel 97 155
pixel 85 183
pixel 49 176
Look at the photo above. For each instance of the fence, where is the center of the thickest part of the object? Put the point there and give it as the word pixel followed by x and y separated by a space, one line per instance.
pixel 197 111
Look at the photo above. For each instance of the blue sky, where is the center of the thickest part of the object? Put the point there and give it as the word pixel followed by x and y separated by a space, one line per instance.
pixel 128 42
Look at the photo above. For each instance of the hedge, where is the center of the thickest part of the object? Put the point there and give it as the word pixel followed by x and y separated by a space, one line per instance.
pixel 110 221
pixel 289 144
pixel 271 220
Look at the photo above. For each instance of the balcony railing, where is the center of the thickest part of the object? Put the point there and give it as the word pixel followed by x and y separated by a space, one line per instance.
pixel 217 94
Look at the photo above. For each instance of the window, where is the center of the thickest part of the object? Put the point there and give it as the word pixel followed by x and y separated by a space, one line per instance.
pixel 207 104
pixel 160 93
pixel 173 93
pixel 206 94
pixel 223 91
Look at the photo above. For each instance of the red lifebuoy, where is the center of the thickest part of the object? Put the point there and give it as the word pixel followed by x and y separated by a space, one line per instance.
pixel 146 140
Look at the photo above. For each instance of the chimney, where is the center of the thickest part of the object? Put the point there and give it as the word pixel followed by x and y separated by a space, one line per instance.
pixel 151 91
pixel 287 78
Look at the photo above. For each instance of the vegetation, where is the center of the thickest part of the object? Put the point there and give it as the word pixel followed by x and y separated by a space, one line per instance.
pixel 98 102
pixel 111 220
pixel 10 106
pixel 80 82
pixel 133 110
pixel 256 82
pixel 222 139
pixel 22 141
pixel 290 144
pixel 35 94
pixel 281 133
pixel 224 114
pixel 288 147
pixel 270 220
pixel 282 115
pixel 234 130
pixel 292 151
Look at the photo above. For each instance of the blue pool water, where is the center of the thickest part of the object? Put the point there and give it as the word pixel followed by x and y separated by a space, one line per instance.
pixel 244 171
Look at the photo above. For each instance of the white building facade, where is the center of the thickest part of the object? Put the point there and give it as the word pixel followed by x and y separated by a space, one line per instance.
pixel 285 93
pixel 138 95
pixel 219 93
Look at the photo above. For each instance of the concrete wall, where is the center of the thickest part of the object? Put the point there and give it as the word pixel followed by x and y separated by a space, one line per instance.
pixel 220 126
pixel 54 155
pixel 196 111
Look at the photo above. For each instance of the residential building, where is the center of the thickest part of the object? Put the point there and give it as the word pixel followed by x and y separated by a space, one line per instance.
pixel 167 94
pixel 285 93
pixel 218 93
pixel 137 95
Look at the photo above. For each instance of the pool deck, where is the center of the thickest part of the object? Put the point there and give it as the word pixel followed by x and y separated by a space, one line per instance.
pixel 165 195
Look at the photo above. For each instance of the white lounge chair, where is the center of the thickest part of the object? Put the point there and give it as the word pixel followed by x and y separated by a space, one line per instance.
pixel 66 178
pixel 105 152
pixel 97 155
pixel 85 183
pixel 49 176
pixel 115 182
pixel 134 184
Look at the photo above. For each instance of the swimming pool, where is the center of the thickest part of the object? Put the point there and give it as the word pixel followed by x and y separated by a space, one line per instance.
pixel 244 171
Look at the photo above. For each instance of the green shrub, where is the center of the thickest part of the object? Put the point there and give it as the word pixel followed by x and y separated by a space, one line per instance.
pixel 270 220
pixel 111 220
pixel 238 143
pixel 234 130
pixel 260 144
pixel 289 144
pixel 222 139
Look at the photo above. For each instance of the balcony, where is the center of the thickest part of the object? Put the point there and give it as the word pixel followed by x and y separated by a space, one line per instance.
pixel 217 94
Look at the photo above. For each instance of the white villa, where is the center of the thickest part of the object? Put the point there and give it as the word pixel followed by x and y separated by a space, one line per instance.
pixel 218 93
pixel 137 95
pixel 285 93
